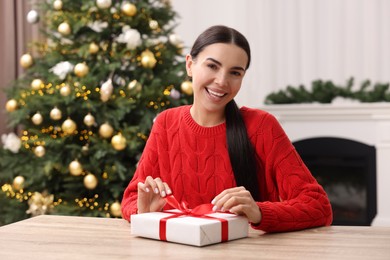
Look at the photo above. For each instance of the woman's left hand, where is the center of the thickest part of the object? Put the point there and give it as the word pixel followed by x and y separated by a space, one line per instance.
pixel 239 201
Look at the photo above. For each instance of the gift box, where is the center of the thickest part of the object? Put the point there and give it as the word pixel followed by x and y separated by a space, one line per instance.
pixel 176 226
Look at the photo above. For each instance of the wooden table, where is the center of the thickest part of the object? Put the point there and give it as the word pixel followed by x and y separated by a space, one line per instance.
pixel 60 237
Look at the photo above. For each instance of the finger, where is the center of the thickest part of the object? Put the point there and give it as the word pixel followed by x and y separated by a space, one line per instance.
pixel 232 199
pixel 167 188
pixel 142 187
pixel 225 192
pixel 160 187
pixel 150 182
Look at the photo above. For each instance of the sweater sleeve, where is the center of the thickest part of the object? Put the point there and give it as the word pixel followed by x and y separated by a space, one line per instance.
pixel 297 200
pixel 147 165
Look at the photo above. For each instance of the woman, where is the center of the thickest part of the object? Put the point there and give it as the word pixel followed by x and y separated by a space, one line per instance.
pixel 240 160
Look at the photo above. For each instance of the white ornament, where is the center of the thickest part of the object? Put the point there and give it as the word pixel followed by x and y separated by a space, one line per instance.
pixel 57 4
pixel 11 142
pixel 106 90
pixel 98 26
pixel 32 16
pixel 131 37
pixel 62 69
pixel 103 4
pixel 37 119
pixel 174 39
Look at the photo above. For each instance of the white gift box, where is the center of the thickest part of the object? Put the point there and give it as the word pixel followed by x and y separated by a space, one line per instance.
pixel 196 231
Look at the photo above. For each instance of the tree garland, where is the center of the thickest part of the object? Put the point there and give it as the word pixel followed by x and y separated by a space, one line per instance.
pixel 326 91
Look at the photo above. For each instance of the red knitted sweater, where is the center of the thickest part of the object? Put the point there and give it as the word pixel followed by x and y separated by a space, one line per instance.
pixel 194 161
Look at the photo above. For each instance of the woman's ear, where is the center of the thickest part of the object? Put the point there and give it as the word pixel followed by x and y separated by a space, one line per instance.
pixel 189 63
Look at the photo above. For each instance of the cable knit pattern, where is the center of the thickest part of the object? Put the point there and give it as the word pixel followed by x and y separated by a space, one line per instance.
pixel 194 161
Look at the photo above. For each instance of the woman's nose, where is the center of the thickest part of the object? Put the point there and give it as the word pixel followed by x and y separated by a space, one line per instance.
pixel 221 79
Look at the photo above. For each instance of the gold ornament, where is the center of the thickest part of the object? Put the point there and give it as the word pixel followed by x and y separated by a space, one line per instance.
pixel 39 151
pixel 26 61
pixel 103 4
pixel 106 130
pixel 135 86
pixel 55 114
pixel 153 24
pixel 69 126
pixel 89 120
pixel 129 9
pixel 148 60
pixel 65 91
pixel 40 203
pixel 85 149
pixel 81 69
pixel 64 28
pixel 36 84
pixel 18 182
pixel 118 142
pixel 115 209
pixel 186 87
pixel 93 48
pixel 57 4
pixel 75 168
pixel 90 181
pixel 37 119
pixel 11 105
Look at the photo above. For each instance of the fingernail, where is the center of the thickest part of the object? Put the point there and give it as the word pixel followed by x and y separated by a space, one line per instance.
pixel 169 192
pixel 163 194
pixel 147 190
pixel 222 209
pixel 213 201
pixel 156 190
pixel 215 208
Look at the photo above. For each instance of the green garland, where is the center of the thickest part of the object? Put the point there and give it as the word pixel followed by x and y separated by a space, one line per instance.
pixel 326 91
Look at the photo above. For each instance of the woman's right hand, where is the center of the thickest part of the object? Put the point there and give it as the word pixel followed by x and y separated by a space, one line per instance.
pixel 151 194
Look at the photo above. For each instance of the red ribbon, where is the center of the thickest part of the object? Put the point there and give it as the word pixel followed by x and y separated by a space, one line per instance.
pixel 198 212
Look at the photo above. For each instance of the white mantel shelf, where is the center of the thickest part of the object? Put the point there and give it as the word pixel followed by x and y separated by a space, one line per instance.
pixel 368 123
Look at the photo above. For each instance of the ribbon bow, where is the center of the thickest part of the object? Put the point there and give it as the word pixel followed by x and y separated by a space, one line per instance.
pixel 199 212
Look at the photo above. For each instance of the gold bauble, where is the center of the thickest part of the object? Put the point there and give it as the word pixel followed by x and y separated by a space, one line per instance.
pixel 57 4
pixel 18 182
pixel 81 69
pixel 36 84
pixel 37 119
pixel 134 86
pixel 39 151
pixel 26 61
pixel 90 181
pixel 118 142
pixel 115 209
pixel 55 114
pixel 106 130
pixel 85 149
pixel 129 9
pixel 153 24
pixel 64 28
pixel 148 60
pixel 65 90
pixel 69 126
pixel 93 48
pixel 75 168
pixel 11 105
pixel 103 4
pixel 89 120
pixel 186 87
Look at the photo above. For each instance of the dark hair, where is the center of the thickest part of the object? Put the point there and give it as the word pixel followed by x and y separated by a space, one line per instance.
pixel 241 152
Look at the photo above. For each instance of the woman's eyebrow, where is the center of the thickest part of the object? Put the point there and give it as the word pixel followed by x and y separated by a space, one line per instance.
pixel 220 64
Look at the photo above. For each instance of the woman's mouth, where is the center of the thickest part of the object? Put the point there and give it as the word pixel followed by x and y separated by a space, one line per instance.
pixel 215 94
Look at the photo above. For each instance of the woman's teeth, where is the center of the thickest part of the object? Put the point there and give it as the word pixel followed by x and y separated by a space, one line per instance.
pixel 215 93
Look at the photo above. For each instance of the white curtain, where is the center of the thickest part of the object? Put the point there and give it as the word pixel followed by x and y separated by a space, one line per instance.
pixel 297 41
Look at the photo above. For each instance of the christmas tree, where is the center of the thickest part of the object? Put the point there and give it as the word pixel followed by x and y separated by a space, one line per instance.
pixel 84 107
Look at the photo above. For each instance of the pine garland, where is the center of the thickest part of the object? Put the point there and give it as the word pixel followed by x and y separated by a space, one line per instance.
pixel 327 91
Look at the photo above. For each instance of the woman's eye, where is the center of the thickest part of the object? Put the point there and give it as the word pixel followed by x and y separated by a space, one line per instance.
pixel 212 66
pixel 236 73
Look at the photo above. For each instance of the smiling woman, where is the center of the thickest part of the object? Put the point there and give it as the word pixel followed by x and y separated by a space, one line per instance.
pixel 239 159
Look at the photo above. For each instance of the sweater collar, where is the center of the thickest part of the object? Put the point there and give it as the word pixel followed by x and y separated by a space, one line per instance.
pixel 201 130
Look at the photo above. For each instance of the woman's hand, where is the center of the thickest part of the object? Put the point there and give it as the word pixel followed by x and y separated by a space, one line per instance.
pixel 151 195
pixel 238 201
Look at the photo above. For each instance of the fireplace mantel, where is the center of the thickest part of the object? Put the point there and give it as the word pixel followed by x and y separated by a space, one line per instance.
pixel 368 123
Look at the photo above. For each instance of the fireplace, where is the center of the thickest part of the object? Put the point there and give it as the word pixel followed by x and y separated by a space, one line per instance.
pixel 361 126
pixel 347 171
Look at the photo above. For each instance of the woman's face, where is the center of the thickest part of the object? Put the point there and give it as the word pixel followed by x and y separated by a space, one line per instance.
pixel 217 74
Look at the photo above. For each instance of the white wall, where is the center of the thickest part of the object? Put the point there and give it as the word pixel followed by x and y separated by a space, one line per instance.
pixel 297 41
